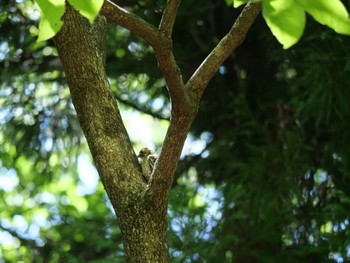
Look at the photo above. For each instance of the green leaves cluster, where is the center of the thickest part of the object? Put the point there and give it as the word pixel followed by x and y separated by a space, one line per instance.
pixel 287 18
pixel 53 10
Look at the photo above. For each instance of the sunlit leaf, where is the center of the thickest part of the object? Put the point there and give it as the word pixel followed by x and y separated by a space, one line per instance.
pixel 50 21
pixel 80 203
pixel 24 165
pixel 327 227
pixel 286 19
pixel 237 3
pixel 196 201
pixel 330 13
pixel 87 8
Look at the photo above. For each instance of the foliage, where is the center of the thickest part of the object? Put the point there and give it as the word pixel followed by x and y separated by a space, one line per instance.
pixel 286 18
pixel 264 176
pixel 53 10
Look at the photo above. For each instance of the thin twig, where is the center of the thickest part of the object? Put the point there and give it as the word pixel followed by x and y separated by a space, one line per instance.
pixel 141 109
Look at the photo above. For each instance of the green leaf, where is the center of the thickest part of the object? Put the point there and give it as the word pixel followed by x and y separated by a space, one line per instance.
pixel 330 13
pixel 24 166
pixel 237 3
pixel 50 21
pixel 286 19
pixel 87 8
pixel 196 202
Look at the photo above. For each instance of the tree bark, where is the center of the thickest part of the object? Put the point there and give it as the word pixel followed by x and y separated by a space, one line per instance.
pixel 142 219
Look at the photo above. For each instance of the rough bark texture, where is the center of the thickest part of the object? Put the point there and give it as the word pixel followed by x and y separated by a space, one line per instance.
pixel 141 208
pixel 143 223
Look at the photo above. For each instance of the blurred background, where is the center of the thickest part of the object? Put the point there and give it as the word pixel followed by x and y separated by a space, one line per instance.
pixel 264 174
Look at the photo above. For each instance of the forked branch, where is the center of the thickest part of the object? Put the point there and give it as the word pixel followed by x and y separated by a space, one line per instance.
pixel 201 77
pixel 184 98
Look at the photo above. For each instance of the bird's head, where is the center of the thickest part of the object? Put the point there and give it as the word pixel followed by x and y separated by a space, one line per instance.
pixel 144 153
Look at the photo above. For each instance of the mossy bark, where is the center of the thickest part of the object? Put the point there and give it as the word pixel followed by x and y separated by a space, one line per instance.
pixel 143 220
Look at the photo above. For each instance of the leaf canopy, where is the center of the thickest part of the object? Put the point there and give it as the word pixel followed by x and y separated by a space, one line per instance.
pixel 286 18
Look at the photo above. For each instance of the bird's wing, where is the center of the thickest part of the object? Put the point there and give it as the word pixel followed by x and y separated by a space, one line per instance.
pixel 152 160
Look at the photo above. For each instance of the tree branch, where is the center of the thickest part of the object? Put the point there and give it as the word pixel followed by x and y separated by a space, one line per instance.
pixel 160 42
pixel 199 80
pixel 141 109
pixel 173 78
pixel 162 177
pixel 180 124
pixel 134 23
pixel 168 18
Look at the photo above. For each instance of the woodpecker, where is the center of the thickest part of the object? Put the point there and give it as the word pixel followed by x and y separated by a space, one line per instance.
pixel 148 160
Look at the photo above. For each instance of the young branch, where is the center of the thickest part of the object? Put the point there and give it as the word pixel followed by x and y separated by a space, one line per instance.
pixel 199 80
pixel 160 42
pixel 173 78
pixel 134 23
pixel 168 18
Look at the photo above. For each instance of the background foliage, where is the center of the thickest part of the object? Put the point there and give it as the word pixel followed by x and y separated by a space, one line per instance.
pixel 264 176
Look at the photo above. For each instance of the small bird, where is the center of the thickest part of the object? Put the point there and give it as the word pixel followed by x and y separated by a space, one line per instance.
pixel 148 160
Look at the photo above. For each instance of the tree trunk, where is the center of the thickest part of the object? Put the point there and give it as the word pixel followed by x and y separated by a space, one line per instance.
pixel 143 221
pixel 145 232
